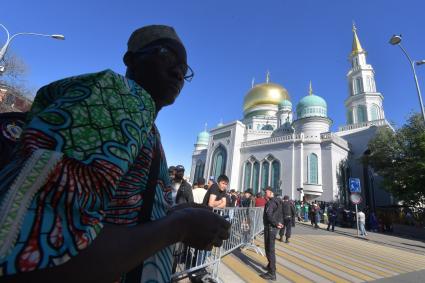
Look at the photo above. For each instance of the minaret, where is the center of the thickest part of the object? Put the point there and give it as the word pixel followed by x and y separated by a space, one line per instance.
pixel 364 102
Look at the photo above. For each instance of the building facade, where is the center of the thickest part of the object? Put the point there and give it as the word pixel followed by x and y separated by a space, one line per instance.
pixel 292 149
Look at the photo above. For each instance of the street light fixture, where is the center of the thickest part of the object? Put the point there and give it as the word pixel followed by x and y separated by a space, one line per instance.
pixel 10 38
pixel 396 40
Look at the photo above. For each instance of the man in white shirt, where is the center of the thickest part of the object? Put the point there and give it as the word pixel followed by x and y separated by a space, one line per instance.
pixel 199 191
pixel 362 221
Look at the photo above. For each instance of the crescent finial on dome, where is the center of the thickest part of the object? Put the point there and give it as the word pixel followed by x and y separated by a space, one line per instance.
pixel 310 89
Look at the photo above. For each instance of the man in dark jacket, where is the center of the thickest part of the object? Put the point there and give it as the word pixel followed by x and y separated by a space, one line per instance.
pixel 332 213
pixel 272 219
pixel 288 211
pixel 182 190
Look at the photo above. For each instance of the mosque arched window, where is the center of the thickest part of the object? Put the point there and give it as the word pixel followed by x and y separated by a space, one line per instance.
pixel 359 85
pixel 219 162
pixel 312 169
pixel 361 114
pixel 199 170
pixel 374 112
pixel 265 174
pixel 275 181
pixel 247 175
pixel 255 176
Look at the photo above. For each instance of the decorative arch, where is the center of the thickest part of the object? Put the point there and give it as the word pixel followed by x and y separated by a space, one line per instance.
pixel 374 112
pixel 219 160
pixel 255 176
pixel 359 85
pixel 313 174
pixel 247 175
pixel 265 169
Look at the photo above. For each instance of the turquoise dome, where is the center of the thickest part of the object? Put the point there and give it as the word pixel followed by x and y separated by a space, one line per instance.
pixel 312 106
pixel 285 103
pixel 203 138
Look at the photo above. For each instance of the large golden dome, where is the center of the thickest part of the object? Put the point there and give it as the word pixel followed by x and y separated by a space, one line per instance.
pixel 266 93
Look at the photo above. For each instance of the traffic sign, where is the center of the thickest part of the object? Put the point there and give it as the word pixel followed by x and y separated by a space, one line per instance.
pixel 355 185
pixel 355 198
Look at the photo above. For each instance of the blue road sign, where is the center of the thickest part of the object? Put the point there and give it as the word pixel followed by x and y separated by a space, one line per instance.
pixel 355 185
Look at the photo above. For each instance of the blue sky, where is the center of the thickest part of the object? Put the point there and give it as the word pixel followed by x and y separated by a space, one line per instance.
pixel 229 43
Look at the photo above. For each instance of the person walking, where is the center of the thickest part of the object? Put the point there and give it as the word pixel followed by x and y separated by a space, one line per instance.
pixel 306 211
pixel 361 217
pixel 332 213
pixel 298 210
pixel 272 220
pixel 288 212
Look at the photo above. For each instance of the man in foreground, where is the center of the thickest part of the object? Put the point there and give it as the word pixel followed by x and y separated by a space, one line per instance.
pixel 86 197
pixel 272 219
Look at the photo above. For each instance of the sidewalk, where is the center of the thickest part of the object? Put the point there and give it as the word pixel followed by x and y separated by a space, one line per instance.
pixel 397 241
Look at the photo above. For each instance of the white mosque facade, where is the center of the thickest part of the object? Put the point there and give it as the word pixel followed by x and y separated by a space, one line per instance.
pixel 292 149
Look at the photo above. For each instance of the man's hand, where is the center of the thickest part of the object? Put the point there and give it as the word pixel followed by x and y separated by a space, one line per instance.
pixel 279 225
pixel 202 229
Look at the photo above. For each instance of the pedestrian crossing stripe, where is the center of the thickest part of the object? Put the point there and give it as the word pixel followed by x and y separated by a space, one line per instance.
pixel 246 273
pixel 353 259
pixel 359 248
pixel 283 271
pixel 336 265
pixel 311 267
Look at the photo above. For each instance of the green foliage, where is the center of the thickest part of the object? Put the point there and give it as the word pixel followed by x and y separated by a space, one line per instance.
pixel 399 157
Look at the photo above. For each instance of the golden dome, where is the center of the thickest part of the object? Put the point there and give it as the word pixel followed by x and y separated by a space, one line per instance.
pixel 266 93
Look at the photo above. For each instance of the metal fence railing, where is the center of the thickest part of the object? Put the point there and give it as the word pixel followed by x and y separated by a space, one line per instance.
pixel 247 223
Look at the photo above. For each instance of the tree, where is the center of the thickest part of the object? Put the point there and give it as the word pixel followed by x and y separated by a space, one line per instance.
pixel 399 157
pixel 14 94
pixel 15 71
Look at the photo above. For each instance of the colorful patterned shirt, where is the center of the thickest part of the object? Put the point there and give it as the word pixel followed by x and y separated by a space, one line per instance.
pixel 83 160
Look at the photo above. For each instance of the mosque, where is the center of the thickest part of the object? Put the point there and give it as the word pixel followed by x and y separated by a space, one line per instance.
pixel 292 149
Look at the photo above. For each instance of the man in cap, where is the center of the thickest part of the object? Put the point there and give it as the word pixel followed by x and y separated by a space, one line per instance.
pixel 182 190
pixel 86 197
pixel 272 219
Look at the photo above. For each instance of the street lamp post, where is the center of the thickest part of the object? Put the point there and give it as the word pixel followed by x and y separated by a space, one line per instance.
pixel 396 40
pixel 10 38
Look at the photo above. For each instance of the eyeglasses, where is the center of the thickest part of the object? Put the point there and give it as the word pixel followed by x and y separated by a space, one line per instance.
pixel 170 57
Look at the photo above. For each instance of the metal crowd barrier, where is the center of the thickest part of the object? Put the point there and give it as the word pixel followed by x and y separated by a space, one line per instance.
pixel 247 223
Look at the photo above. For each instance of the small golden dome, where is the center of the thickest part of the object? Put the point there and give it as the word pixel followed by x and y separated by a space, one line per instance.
pixel 266 93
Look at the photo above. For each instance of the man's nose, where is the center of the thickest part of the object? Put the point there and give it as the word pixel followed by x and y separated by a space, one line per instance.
pixel 177 73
